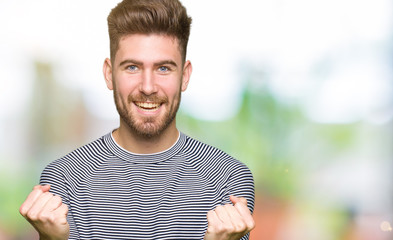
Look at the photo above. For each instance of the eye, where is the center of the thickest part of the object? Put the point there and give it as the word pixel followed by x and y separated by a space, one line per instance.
pixel 163 69
pixel 132 68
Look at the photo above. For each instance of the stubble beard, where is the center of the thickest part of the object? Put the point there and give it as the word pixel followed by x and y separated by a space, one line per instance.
pixel 146 127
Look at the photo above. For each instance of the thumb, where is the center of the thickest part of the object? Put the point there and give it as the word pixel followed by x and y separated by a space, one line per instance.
pixel 235 200
pixel 43 188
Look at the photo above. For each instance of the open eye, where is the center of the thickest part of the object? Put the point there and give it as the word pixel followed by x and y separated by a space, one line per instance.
pixel 163 69
pixel 132 68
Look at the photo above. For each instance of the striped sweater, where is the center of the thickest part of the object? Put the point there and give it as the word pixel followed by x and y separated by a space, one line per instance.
pixel 115 194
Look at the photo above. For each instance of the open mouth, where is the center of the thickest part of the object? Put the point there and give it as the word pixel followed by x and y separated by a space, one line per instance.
pixel 148 106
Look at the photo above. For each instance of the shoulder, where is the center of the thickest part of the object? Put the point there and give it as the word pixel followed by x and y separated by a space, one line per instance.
pixel 205 155
pixel 222 170
pixel 66 171
pixel 91 153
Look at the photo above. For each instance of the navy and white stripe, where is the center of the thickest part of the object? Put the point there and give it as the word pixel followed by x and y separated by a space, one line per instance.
pixel 115 194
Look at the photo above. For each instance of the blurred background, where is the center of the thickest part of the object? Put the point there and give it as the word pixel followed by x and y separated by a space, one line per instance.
pixel 299 90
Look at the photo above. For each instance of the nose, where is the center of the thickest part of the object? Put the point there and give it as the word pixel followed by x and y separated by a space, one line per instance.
pixel 147 84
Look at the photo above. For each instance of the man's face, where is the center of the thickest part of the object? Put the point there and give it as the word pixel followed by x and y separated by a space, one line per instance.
pixel 147 77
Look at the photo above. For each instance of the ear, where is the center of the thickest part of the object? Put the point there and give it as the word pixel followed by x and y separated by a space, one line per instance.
pixel 187 70
pixel 107 70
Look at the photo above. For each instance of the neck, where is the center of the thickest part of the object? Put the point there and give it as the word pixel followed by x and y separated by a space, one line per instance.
pixel 132 142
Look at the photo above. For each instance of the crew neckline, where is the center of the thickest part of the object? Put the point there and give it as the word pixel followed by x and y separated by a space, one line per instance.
pixel 139 158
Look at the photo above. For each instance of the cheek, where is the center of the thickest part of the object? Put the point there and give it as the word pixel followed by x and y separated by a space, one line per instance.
pixel 124 86
pixel 171 88
pixel 173 93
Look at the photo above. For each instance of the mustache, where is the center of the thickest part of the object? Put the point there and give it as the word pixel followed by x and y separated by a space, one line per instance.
pixel 147 98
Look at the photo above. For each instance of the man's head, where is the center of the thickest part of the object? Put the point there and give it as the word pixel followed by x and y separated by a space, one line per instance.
pixel 147 70
pixel 164 17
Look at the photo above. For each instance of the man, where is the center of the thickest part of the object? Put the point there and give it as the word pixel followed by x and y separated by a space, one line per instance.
pixel 144 180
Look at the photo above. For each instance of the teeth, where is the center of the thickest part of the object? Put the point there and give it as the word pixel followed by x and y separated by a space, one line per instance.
pixel 147 106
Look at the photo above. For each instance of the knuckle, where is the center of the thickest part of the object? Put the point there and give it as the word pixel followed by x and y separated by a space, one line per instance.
pixel 228 228
pixel 240 227
pixel 251 224
pixel 211 229
pixel 65 211
pixel 219 228
pixel 31 215
pixel 51 218
pixel 62 221
pixel 23 210
pixel 43 216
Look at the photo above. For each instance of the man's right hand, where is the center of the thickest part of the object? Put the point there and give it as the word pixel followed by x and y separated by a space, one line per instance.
pixel 46 213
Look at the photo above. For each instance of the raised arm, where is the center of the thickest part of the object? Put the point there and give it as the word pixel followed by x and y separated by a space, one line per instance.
pixel 229 221
pixel 46 213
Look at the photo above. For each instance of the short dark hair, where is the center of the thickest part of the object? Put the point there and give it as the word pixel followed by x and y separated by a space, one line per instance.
pixel 166 17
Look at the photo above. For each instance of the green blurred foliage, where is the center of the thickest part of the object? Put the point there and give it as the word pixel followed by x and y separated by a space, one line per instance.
pixel 274 139
pixel 14 188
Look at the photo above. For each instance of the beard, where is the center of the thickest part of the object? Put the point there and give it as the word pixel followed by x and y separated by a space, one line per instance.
pixel 146 127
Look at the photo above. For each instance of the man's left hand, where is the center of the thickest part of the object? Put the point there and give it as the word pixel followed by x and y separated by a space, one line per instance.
pixel 229 222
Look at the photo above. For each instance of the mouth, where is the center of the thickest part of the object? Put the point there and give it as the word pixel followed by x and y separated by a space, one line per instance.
pixel 148 106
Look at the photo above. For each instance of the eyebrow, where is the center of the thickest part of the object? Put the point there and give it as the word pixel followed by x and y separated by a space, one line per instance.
pixel 164 62
pixel 133 61
pixel 130 61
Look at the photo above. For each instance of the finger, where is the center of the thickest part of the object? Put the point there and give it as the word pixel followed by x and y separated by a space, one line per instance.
pixel 235 200
pixel 240 204
pixel 223 215
pixel 214 226
pixel 236 218
pixel 245 213
pixel 61 213
pixel 43 188
pixel 38 206
pixel 46 213
pixel 53 203
pixel 32 197
pixel 212 218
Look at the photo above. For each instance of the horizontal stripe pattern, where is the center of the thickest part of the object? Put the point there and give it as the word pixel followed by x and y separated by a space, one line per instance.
pixel 116 194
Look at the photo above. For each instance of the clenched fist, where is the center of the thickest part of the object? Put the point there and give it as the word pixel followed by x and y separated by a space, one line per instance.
pixel 46 213
pixel 229 222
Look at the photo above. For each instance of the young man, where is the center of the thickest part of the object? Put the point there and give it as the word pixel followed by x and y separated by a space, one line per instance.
pixel 144 180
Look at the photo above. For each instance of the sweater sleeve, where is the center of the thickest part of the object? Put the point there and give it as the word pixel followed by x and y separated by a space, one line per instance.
pixel 53 175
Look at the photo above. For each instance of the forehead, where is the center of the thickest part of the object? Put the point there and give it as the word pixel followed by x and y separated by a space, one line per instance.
pixel 148 47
